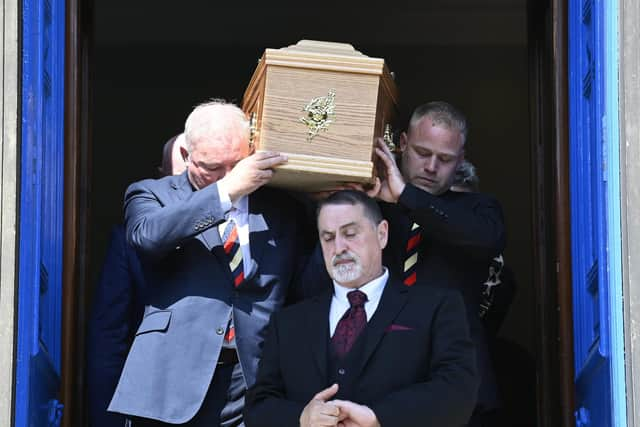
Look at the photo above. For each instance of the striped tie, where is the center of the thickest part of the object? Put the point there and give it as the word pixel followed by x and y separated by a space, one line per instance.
pixel 230 335
pixel 234 253
pixel 411 258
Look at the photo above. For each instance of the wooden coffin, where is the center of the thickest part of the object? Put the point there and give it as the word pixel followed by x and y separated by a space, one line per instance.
pixel 322 104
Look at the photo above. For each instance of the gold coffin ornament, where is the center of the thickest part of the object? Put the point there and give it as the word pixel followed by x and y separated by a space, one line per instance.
pixel 322 104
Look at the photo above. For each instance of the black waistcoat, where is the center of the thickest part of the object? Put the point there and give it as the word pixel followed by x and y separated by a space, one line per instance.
pixel 343 371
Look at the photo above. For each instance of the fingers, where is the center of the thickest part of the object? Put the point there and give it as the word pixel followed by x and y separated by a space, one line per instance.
pixel 327 393
pixel 345 405
pixel 385 155
pixel 260 155
pixel 320 414
pixel 345 408
pixel 384 147
pixel 327 420
pixel 387 159
pixel 265 174
pixel 375 190
pixel 268 159
pixel 330 410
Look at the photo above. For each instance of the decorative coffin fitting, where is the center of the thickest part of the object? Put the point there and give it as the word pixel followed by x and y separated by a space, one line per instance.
pixel 322 104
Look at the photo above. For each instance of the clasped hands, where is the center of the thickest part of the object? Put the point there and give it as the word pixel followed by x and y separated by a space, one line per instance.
pixel 322 412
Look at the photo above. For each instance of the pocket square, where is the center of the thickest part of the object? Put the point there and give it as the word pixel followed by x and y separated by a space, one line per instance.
pixel 395 327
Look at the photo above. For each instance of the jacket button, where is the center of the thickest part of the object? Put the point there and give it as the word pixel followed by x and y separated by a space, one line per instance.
pixel 341 371
pixel 219 331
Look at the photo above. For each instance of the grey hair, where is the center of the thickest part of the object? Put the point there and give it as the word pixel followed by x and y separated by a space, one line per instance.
pixel 215 118
pixel 442 114
pixel 466 177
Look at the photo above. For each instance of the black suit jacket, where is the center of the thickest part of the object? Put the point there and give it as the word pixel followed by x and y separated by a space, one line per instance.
pixel 461 233
pixel 417 366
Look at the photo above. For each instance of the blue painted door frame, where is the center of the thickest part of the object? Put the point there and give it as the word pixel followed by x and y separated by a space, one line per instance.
pixel 40 215
pixel 595 214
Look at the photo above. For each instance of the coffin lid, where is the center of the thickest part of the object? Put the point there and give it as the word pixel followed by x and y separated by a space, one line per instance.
pixel 326 56
pixel 321 55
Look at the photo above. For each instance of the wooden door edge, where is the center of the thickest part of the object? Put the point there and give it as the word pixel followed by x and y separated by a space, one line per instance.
pixel 562 208
pixel 76 187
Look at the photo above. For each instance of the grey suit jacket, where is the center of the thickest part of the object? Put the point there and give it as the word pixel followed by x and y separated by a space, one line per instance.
pixel 191 295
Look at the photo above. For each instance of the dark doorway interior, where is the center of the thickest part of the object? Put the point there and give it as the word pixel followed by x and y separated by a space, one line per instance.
pixel 152 62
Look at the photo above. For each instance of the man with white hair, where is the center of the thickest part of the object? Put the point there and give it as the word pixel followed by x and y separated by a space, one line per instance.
pixel 219 252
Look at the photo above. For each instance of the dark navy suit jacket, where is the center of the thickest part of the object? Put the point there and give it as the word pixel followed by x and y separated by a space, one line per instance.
pixel 116 313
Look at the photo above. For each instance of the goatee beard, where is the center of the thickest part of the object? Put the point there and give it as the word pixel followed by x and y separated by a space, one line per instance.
pixel 344 273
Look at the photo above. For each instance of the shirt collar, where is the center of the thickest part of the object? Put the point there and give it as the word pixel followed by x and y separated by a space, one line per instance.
pixel 373 289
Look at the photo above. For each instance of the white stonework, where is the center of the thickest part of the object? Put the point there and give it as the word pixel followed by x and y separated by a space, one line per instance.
pixel 8 202
pixel 629 98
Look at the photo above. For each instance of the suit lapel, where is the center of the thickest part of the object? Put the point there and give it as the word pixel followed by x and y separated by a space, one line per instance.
pixel 394 298
pixel 318 327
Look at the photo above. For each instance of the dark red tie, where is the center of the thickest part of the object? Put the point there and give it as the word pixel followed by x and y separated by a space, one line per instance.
pixel 411 256
pixel 351 325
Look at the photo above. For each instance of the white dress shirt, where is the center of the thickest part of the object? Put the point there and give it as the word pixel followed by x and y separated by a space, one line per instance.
pixel 340 302
pixel 239 212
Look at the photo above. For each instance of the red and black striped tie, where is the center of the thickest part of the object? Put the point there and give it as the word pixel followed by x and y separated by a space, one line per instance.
pixel 234 252
pixel 411 256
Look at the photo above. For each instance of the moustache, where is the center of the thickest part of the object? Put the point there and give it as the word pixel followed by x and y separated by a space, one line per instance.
pixel 347 257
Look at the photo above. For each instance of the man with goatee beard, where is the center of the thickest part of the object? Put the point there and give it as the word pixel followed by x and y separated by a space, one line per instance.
pixel 370 351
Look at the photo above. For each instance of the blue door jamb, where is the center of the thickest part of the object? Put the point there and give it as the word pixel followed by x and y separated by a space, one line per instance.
pixel 30 210
pixel 40 214
pixel 595 202
pixel 611 136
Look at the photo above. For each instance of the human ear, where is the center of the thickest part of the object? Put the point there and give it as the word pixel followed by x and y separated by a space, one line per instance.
pixel 383 233
pixel 404 141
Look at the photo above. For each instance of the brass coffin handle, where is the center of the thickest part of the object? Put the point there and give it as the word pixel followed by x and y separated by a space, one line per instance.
pixel 253 130
pixel 388 138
